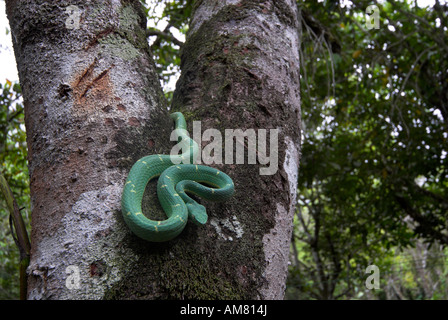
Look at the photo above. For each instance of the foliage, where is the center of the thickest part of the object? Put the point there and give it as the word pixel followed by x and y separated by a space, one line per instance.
pixel 14 167
pixel 373 172
pixel 416 273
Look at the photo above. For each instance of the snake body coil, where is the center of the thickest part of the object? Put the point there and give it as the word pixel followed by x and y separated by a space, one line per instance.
pixel 176 181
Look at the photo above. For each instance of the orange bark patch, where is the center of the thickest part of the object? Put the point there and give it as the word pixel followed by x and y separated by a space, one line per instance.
pixel 133 121
pixel 92 91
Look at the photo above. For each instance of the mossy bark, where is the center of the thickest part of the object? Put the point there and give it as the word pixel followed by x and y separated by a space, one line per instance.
pixel 240 70
pixel 94 106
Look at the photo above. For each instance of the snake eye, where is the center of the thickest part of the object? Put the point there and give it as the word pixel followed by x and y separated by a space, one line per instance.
pixel 197 213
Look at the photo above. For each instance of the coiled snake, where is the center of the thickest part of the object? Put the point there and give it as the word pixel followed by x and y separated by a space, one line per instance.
pixel 176 180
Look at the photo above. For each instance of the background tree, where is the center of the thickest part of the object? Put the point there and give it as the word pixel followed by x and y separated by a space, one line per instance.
pixel 14 168
pixel 373 173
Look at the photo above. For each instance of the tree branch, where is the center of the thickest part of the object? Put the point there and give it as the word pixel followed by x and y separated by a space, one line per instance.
pixel 426 227
pixel 164 34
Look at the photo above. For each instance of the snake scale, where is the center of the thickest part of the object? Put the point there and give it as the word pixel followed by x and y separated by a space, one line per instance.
pixel 178 177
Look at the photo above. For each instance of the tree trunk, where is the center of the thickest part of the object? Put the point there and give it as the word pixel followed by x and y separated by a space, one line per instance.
pixel 240 70
pixel 94 106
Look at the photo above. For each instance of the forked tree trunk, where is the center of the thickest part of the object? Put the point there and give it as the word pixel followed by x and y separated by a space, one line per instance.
pixel 93 107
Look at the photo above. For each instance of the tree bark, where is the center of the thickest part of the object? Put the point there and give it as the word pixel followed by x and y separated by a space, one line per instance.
pixel 240 70
pixel 94 106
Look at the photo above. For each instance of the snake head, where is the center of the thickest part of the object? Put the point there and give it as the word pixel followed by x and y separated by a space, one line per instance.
pixel 197 213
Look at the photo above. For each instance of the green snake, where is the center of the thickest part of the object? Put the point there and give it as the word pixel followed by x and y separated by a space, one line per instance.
pixel 178 177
